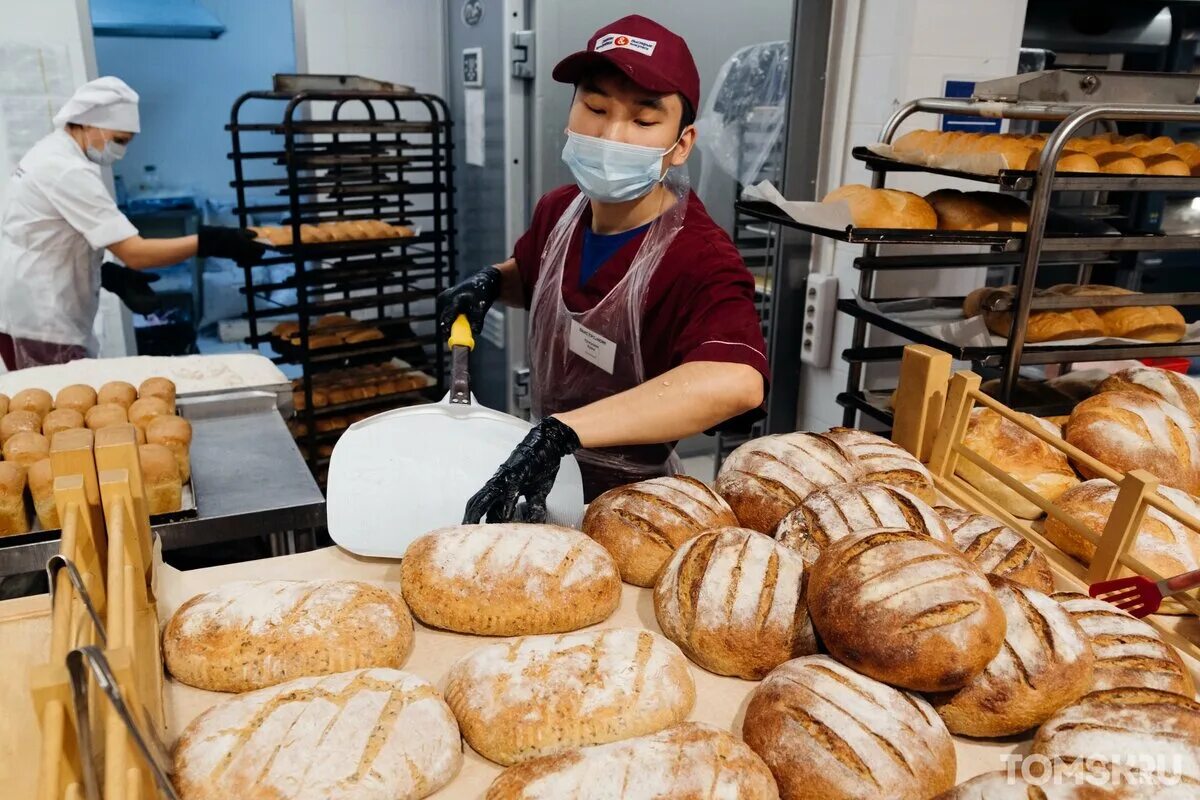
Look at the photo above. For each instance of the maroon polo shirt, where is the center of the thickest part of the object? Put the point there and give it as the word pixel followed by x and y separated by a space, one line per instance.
pixel 700 302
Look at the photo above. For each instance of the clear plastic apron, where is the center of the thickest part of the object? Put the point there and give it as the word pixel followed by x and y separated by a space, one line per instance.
pixel 561 379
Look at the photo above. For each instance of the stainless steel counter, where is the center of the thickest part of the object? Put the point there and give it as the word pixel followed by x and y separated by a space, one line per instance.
pixel 247 473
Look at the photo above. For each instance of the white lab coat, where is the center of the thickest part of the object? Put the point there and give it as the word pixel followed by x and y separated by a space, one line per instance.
pixel 58 221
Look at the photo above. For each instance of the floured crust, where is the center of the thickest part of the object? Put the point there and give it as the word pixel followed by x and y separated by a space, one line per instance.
pixel 997 549
pixel 881 460
pixel 540 695
pixel 250 634
pixel 1001 785
pixel 509 579
pixel 1178 390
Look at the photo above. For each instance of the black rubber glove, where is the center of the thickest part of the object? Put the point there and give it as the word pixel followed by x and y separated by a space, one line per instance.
pixel 235 243
pixel 132 286
pixel 529 471
pixel 472 297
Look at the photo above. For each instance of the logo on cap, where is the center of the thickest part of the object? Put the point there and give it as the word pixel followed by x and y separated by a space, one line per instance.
pixel 614 41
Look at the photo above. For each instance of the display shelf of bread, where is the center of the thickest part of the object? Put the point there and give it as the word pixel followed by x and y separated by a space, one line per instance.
pixel 280 236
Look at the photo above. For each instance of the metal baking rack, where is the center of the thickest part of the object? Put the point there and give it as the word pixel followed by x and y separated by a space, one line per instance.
pixel 1023 252
pixel 341 148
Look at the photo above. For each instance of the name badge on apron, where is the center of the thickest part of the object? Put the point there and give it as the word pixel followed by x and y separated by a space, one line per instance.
pixel 592 347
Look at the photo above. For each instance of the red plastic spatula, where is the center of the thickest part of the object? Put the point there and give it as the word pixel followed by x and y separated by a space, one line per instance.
pixel 1141 596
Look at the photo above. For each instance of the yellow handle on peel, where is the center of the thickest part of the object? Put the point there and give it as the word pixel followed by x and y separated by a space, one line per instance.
pixel 460 333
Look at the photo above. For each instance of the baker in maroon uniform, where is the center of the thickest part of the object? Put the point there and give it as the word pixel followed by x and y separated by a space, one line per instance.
pixel 643 328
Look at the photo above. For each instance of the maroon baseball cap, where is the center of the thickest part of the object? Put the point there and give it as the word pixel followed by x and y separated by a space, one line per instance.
pixel 647 53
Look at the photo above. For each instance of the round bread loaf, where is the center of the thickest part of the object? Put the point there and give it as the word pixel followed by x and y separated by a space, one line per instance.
pixel 1016 451
pixel 733 600
pixel 829 733
pixel 61 419
pixel 541 695
pixel 103 415
pixel 76 397
pixel 1129 652
pixel 1012 785
pixel 641 524
pixel 358 735
pixel 162 388
pixel 1178 390
pixel 905 609
pixel 250 634
pixel 41 487
pixel 119 392
pixel 1045 663
pixel 26 449
pixel 145 409
pixel 38 401
pixel 1132 430
pixel 997 549
pixel 509 579
pixel 881 460
pixel 175 434
pixel 692 760
pixel 828 515
pixel 15 422
pixel 767 477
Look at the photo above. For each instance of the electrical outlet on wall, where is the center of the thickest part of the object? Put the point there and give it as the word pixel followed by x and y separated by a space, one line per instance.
pixel 820 306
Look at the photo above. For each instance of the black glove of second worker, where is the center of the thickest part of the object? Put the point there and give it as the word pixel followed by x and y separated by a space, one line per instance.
pixel 132 286
pixel 529 471
pixel 235 243
pixel 472 297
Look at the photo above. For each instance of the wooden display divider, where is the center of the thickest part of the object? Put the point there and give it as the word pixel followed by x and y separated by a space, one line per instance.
pixel 932 411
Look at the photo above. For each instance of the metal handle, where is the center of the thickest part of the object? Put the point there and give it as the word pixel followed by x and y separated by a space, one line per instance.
pixel 1181 583
pixel 58 562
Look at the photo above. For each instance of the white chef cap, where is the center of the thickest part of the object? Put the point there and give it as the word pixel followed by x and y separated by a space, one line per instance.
pixel 106 102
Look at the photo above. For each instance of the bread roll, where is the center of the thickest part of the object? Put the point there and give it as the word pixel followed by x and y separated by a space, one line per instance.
pixel 1022 455
pixel 371 733
pixel 26 449
pixel 1166 164
pixel 1129 652
pixel 978 211
pixel 162 388
pixel 1068 161
pixel 61 419
pixel 997 549
pixel 13 517
pixel 77 397
pixel 905 609
pixel 175 434
pixel 1045 663
pixel 38 401
pixel 250 634
pixel 145 409
pixel 641 524
pixel 119 392
pixel 509 579
pixel 105 414
pixel 733 600
pixel 541 695
pixel 829 515
pixel 1132 430
pixel 1121 162
pixel 881 460
pixel 884 208
pixel 15 422
pixel 829 733
pixel 41 486
pixel 765 478
pixel 4 400
pixel 160 478
pixel 1179 390
pixel 692 761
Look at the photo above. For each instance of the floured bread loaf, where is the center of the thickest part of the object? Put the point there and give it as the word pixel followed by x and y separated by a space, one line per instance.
pixel 360 735
pixel 1178 390
pixel 541 695
pixel 1129 652
pixel 641 524
pixel 997 549
pixel 733 600
pixel 1003 785
pixel 509 580
pixel 249 634
pixel 1045 663
pixel 905 609
pixel 827 515
pixel 829 733
pixel 881 460
pixel 692 761
pixel 766 477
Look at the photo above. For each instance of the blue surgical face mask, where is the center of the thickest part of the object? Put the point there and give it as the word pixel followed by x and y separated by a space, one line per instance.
pixel 613 172
pixel 105 156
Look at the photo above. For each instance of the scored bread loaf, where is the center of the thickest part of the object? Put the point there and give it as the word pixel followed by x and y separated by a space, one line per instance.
pixel 765 478
pixel 358 735
pixel 692 761
pixel 509 579
pixel 733 600
pixel 1045 663
pixel 884 208
pixel 997 549
pixel 249 634
pixel 1009 784
pixel 881 460
pixel 1133 430
pixel 827 515
pixel 540 695
pixel 1171 387
pixel 905 609
pixel 641 524
pixel 829 733
pixel 1011 448
pixel 1129 652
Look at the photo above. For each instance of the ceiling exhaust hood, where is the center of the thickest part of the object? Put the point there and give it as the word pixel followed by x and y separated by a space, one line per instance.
pixel 160 19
